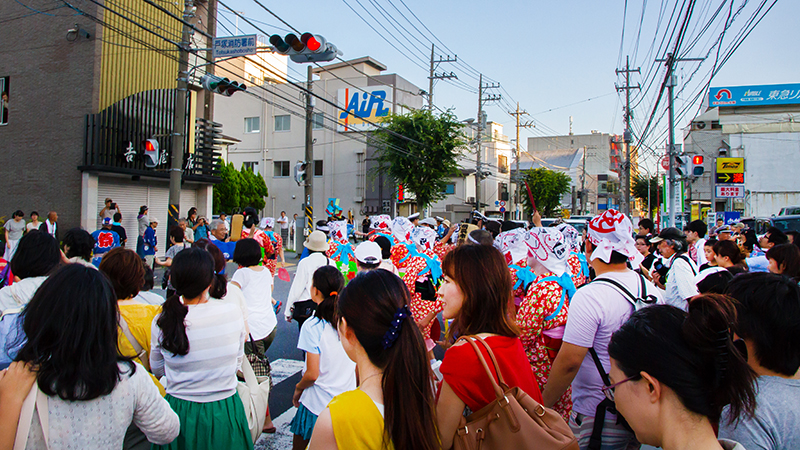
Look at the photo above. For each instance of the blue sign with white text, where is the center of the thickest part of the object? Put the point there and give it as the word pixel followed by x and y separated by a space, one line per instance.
pixel 775 94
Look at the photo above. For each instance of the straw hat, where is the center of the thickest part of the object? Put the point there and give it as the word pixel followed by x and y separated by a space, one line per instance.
pixel 317 242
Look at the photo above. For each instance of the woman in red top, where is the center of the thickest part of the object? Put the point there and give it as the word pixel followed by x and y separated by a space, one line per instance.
pixel 476 293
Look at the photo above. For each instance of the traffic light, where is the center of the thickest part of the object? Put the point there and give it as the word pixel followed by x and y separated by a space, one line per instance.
pixel 151 156
pixel 300 172
pixel 306 48
pixel 697 165
pixel 681 165
pixel 219 85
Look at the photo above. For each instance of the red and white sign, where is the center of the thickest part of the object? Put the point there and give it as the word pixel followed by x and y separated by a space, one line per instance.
pixel 665 162
pixel 732 191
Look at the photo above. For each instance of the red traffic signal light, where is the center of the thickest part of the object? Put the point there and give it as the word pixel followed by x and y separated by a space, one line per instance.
pixel 697 165
pixel 151 153
pixel 306 48
pixel 697 159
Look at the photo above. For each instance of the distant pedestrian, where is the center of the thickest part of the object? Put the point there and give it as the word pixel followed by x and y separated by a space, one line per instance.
pixel 143 223
pixel 50 226
pixel 34 224
pixel 78 245
pixel 292 226
pixel 13 230
pixel 284 222
pixel 104 240
pixel 108 210
pixel 201 232
pixel 116 227
pixel 150 242
pixel 188 232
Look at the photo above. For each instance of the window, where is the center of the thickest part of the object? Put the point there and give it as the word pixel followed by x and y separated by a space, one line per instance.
pixel 252 165
pixel 450 189
pixel 317 167
pixel 502 163
pixel 281 169
pixel 318 121
pixel 282 123
pixel 252 124
pixel 4 101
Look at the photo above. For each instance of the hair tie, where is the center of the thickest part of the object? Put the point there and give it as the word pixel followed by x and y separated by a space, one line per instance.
pixel 333 293
pixel 394 330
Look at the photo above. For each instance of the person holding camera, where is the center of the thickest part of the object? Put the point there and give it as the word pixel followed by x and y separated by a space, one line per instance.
pixel 108 210
pixel 678 280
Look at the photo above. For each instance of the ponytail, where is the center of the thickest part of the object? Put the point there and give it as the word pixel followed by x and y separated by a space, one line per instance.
pixel 219 286
pixel 696 357
pixel 173 328
pixel 191 273
pixel 374 304
pixel 328 280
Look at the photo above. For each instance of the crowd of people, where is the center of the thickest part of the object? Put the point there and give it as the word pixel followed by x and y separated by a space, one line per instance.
pixel 618 337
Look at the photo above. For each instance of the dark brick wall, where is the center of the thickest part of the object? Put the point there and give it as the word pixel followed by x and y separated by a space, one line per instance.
pixel 51 92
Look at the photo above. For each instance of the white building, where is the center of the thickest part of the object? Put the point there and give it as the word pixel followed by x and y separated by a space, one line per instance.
pixel 272 134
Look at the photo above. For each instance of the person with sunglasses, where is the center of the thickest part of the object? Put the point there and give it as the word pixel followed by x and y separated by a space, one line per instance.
pixel 672 372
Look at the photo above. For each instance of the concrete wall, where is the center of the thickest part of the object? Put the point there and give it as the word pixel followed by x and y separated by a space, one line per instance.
pixel 770 179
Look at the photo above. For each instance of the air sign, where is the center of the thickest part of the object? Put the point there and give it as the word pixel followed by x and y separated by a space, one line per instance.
pixel 363 108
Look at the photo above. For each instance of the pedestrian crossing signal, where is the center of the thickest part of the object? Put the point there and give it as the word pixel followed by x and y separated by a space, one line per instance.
pixel 697 165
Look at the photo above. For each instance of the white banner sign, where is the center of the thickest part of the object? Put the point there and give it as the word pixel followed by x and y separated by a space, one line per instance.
pixel 730 191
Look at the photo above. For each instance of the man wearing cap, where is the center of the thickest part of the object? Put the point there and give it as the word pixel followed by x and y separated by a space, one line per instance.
pixel 414 218
pixel 368 256
pixel 679 282
pixel 300 291
pixel 150 242
pixel 595 313
pixel 429 222
pixel 105 239
pixel 724 233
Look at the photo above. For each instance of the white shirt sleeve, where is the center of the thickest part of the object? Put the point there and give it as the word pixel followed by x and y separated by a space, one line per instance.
pixel 298 286
pixel 152 414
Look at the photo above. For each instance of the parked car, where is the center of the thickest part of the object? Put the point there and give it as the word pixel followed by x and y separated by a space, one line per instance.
pixel 789 211
pixel 758 224
pixel 786 223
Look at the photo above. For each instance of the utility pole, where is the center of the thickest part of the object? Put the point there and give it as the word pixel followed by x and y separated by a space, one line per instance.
pixel 434 76
pixel 672 180
pixel 528 124
pixel 626 135
pixel 583 182
pixel 308 190
pixel 179 121
pixel 481 124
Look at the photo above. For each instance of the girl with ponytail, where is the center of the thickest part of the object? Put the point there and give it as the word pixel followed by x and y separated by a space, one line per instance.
pixel 199 345
pixel 328 371
pixel 673 372
pixel 393 406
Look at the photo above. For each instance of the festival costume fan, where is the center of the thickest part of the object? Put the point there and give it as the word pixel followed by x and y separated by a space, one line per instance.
pixel 542 315
pixel 577 264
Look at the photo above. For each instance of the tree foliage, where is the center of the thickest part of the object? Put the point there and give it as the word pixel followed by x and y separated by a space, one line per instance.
pixel 639 189
pixel 238 189
pixel 546 186
pixel 423 164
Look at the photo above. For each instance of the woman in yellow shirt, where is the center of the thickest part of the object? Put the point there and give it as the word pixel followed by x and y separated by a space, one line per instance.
pixel 125 269
pixel 393 406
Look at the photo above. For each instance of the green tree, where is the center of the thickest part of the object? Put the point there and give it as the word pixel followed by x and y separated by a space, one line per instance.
pixel 639 189
pixel 227 192
pixel 546 186
pixel 423 163
pixel 253 189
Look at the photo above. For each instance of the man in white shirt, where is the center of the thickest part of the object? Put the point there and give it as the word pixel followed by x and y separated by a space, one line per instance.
pixel 679 281
pixel 695 236
pixel 284 223
pixel 317 245
pixel 597 310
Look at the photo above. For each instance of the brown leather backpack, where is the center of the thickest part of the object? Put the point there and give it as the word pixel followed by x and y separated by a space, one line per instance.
pixel 513 421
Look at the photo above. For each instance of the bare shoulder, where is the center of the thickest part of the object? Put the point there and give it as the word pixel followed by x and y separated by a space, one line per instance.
pixel 323 437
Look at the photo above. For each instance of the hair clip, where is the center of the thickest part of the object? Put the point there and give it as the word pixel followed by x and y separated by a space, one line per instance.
pixel 394 330
pixel 333 293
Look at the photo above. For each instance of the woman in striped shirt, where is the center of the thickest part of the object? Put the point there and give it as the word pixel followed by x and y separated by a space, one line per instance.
pixel 199 346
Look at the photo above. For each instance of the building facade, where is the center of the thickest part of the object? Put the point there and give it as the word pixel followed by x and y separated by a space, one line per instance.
pixel 83 93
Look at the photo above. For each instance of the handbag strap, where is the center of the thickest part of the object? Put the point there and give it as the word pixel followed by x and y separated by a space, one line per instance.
pixel 141 353
pixel 497 389
pixel 36 400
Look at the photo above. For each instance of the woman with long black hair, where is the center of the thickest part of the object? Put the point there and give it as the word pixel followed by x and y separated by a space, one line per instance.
pixel 393 406
pixel 672 372
pixel 199 345
pixel 93 393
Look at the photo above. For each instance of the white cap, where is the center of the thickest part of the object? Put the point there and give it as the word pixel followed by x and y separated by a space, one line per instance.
pixel 413 217
pixel 428 221
pixel 368 252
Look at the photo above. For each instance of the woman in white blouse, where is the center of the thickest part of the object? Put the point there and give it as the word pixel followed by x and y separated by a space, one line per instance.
pixel 199 345
pixel 93 394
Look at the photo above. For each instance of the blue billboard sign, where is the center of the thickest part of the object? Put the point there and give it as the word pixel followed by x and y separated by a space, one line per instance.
pixel 774 94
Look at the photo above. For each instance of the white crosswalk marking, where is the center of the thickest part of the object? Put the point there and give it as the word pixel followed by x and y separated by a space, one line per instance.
pixel 282 439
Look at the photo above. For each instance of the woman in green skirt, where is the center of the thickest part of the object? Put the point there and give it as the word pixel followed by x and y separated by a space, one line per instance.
pixel 199 345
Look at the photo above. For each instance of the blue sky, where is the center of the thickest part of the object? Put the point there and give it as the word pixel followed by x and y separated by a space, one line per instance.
pixel 545 54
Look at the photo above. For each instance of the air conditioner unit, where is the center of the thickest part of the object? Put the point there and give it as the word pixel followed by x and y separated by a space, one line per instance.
pixel 470 200
pixel 700 126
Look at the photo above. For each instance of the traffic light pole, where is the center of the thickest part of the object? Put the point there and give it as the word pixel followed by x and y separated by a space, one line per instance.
pixel 671 143
pixel 478 147
pixel 517 183
pixel 308 190
pixel 179 123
